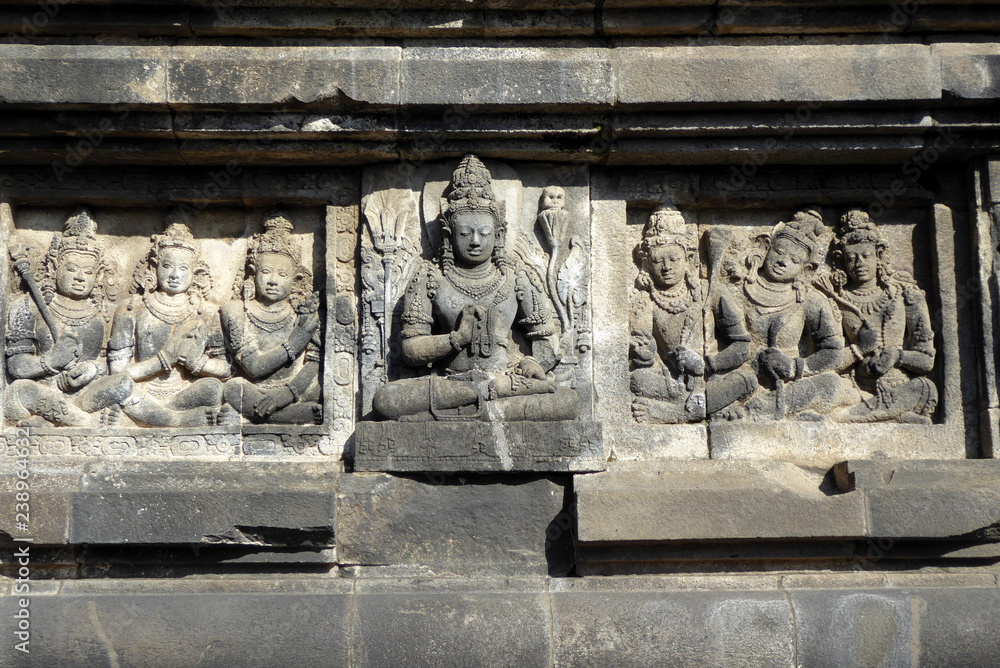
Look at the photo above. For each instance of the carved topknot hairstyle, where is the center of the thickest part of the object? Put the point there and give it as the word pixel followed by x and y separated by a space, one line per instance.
pixel 176 235
pixel 277 239
pixel 806 229
pixel 857 227
pixel 472 191
pixel 80 236
pixel 667 226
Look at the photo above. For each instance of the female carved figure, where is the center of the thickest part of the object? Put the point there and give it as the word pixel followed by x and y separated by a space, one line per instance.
pixel 796 339
pixel 273 333
pixel 887 326
pixel 166 337
pixel 459 316
pixel 667 324
pixel 56 334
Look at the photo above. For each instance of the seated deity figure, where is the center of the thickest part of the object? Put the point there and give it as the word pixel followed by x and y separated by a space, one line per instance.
pixel 796 337
pixel 273 335
pixel 460 315
pixel 667 325
pixel 56 334
pixel 166 337
pixel 890 342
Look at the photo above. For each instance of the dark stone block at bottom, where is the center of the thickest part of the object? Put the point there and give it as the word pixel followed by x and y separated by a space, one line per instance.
pixel 479 446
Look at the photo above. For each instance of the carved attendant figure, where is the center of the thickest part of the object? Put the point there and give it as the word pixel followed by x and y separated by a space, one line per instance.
pixel 56 334
pixel 166 337
pixel 273 333
pixel 459 316
pixel 667 326
pixel 887 325
pixel 796 339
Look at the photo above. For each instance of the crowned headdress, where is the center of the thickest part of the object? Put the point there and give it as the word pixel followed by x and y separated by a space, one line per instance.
pixel 176 235
pixel 79 235
pixel 807 230
pixel 277 239
pixel 667 226
pixel 472 191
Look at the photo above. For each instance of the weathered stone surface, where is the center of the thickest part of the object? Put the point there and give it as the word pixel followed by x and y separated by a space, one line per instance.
pixel 629 628
pixel 451 624
pixel 320 77
pixel 479 446
pixel 772 74
pixel 545 78
pixel 857 627
pixel 48 509
pixel 823 444
pixel 147 623
pixel 970 70
pixel 53 75
pixel 440 525
pixel 930 499
pixel 683 501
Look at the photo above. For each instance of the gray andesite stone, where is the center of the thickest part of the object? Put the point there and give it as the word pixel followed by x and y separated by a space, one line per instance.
pixel 479 446
pixel 970 71
pixel 824 73
pixel 701 500
pixel 444 525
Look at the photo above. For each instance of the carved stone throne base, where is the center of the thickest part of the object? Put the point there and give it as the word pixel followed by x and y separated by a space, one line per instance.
pixel 576 447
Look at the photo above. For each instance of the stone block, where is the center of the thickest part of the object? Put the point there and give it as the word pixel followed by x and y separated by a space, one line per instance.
pixel 145 623
pixel 440 525
pixel 479 446
pixel 233 503
pixel 857 627
pixel 706 501
pixel 50 486
pixel 451 624
pixel 488 77
pixel 319 77
pixel 958 626
pixel 683 628
pixel 970 71
pixel 91 75
pixel 827 73
pixel 928 499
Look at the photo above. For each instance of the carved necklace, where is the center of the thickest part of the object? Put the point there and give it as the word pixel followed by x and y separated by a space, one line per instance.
pixel 71 314
pixel 769 298
pixel 870 301
pixel 672 300
pixel 169 312
pixel 269 319
pixel 474 286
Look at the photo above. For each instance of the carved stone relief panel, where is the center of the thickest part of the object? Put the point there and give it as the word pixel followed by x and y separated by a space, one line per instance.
pixel 476 309
pixel 208 320
pixel 787 330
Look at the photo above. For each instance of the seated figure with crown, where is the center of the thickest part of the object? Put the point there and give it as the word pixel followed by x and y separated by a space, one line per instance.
pixel 56 334
pixel 460 317
pixel 273 334
pixel 167 338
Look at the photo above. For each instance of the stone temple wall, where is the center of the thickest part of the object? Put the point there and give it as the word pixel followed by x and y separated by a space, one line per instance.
pixel 499 333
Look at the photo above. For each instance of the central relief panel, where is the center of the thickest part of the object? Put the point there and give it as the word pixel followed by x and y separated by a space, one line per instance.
pixel 476 325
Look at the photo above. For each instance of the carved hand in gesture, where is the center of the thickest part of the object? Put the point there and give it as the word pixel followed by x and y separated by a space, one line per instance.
pixel 187 343
pixel 78 376
pixel 273 400
pixel 530 368
pixel 884 360
pixel 776 364
pixel 302 331
pixel 643 348
pixel 465 325
pixel 688 361
pixel 63 354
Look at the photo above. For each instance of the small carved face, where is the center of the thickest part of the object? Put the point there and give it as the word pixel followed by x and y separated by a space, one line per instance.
pixel 473 237
pixel 175 270
pixel 785 260
pixel 553 197
pixel 667 265
pixel 273 278
pixel 76 275
pixel 861 262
